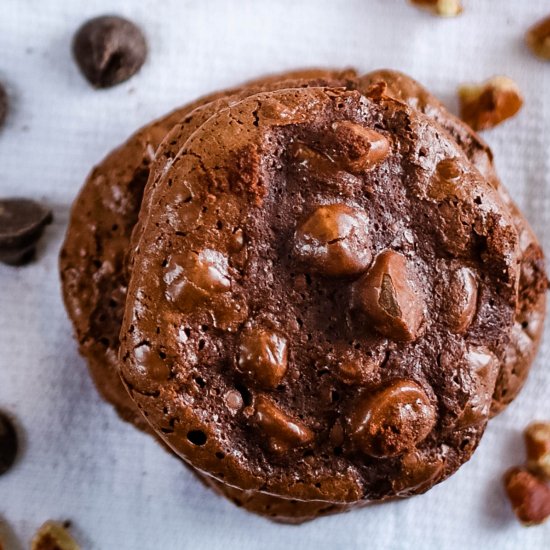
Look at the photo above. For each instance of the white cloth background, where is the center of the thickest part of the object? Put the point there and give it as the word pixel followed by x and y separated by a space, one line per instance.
pixel 79 461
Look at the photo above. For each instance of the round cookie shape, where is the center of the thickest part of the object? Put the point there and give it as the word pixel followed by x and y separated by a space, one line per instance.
pixel 135 155
pixel 250 181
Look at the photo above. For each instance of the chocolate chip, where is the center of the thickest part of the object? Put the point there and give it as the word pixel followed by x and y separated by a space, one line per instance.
pixel 192 278
pixel 283 432
pixel 460 303
pixel 388 296
pixel 3 104
pixel 22 222
pixel 263 357
pixel 8 443
pixel 109 50
pixel 334 241
pixel 359 148
pixel 152 362
pixel 418 472
pixel 392 420
pixel 482 369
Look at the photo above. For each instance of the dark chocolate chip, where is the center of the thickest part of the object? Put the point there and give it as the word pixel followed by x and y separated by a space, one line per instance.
pixel 109 50
pixel 263 356
pixel 334 240
pixel 461 300
pixel 22 222
pixel 387 294
pixel 282 431
pixel 3 104
pixel 8 443
pixel 392 420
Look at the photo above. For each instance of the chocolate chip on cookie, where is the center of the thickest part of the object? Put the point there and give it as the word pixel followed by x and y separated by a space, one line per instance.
pixel 22 222
pixel 109 50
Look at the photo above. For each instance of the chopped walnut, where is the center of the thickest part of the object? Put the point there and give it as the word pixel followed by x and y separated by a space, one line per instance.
pixel 538 38
pixel 529 496
pixel 537 443
pixel 53 536
pixel 443 8
pixel 488 104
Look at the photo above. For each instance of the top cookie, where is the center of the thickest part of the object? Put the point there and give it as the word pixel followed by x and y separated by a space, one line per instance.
pixel 322 290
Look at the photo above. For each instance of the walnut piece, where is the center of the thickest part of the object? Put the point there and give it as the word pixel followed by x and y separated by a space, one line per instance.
pixel 486 105
pixel 53 536
pixel 538 39
pixel 537 443
pixel 529 496
pixel 443 8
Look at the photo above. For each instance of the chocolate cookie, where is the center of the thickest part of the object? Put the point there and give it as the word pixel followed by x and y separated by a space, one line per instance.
pixel 284 509
pixel 286 308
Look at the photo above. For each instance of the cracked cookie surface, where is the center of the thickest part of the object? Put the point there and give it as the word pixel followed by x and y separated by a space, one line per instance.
pixel 92 280
pixel 254 227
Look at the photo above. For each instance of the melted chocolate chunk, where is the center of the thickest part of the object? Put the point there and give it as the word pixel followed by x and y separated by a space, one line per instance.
pixel 263 357
pixel 392 420
pixel 389 296
pixel 334 241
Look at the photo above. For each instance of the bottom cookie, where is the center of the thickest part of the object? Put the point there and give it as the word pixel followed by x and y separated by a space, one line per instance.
pixel 128 167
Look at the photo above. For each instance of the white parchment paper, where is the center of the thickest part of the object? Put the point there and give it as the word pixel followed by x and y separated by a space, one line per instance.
pixel 78 460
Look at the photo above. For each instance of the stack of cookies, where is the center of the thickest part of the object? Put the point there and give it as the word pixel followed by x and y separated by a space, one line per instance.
pixel 313 289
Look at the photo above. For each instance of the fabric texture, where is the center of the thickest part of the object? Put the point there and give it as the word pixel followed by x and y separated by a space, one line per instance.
pixel 78 461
